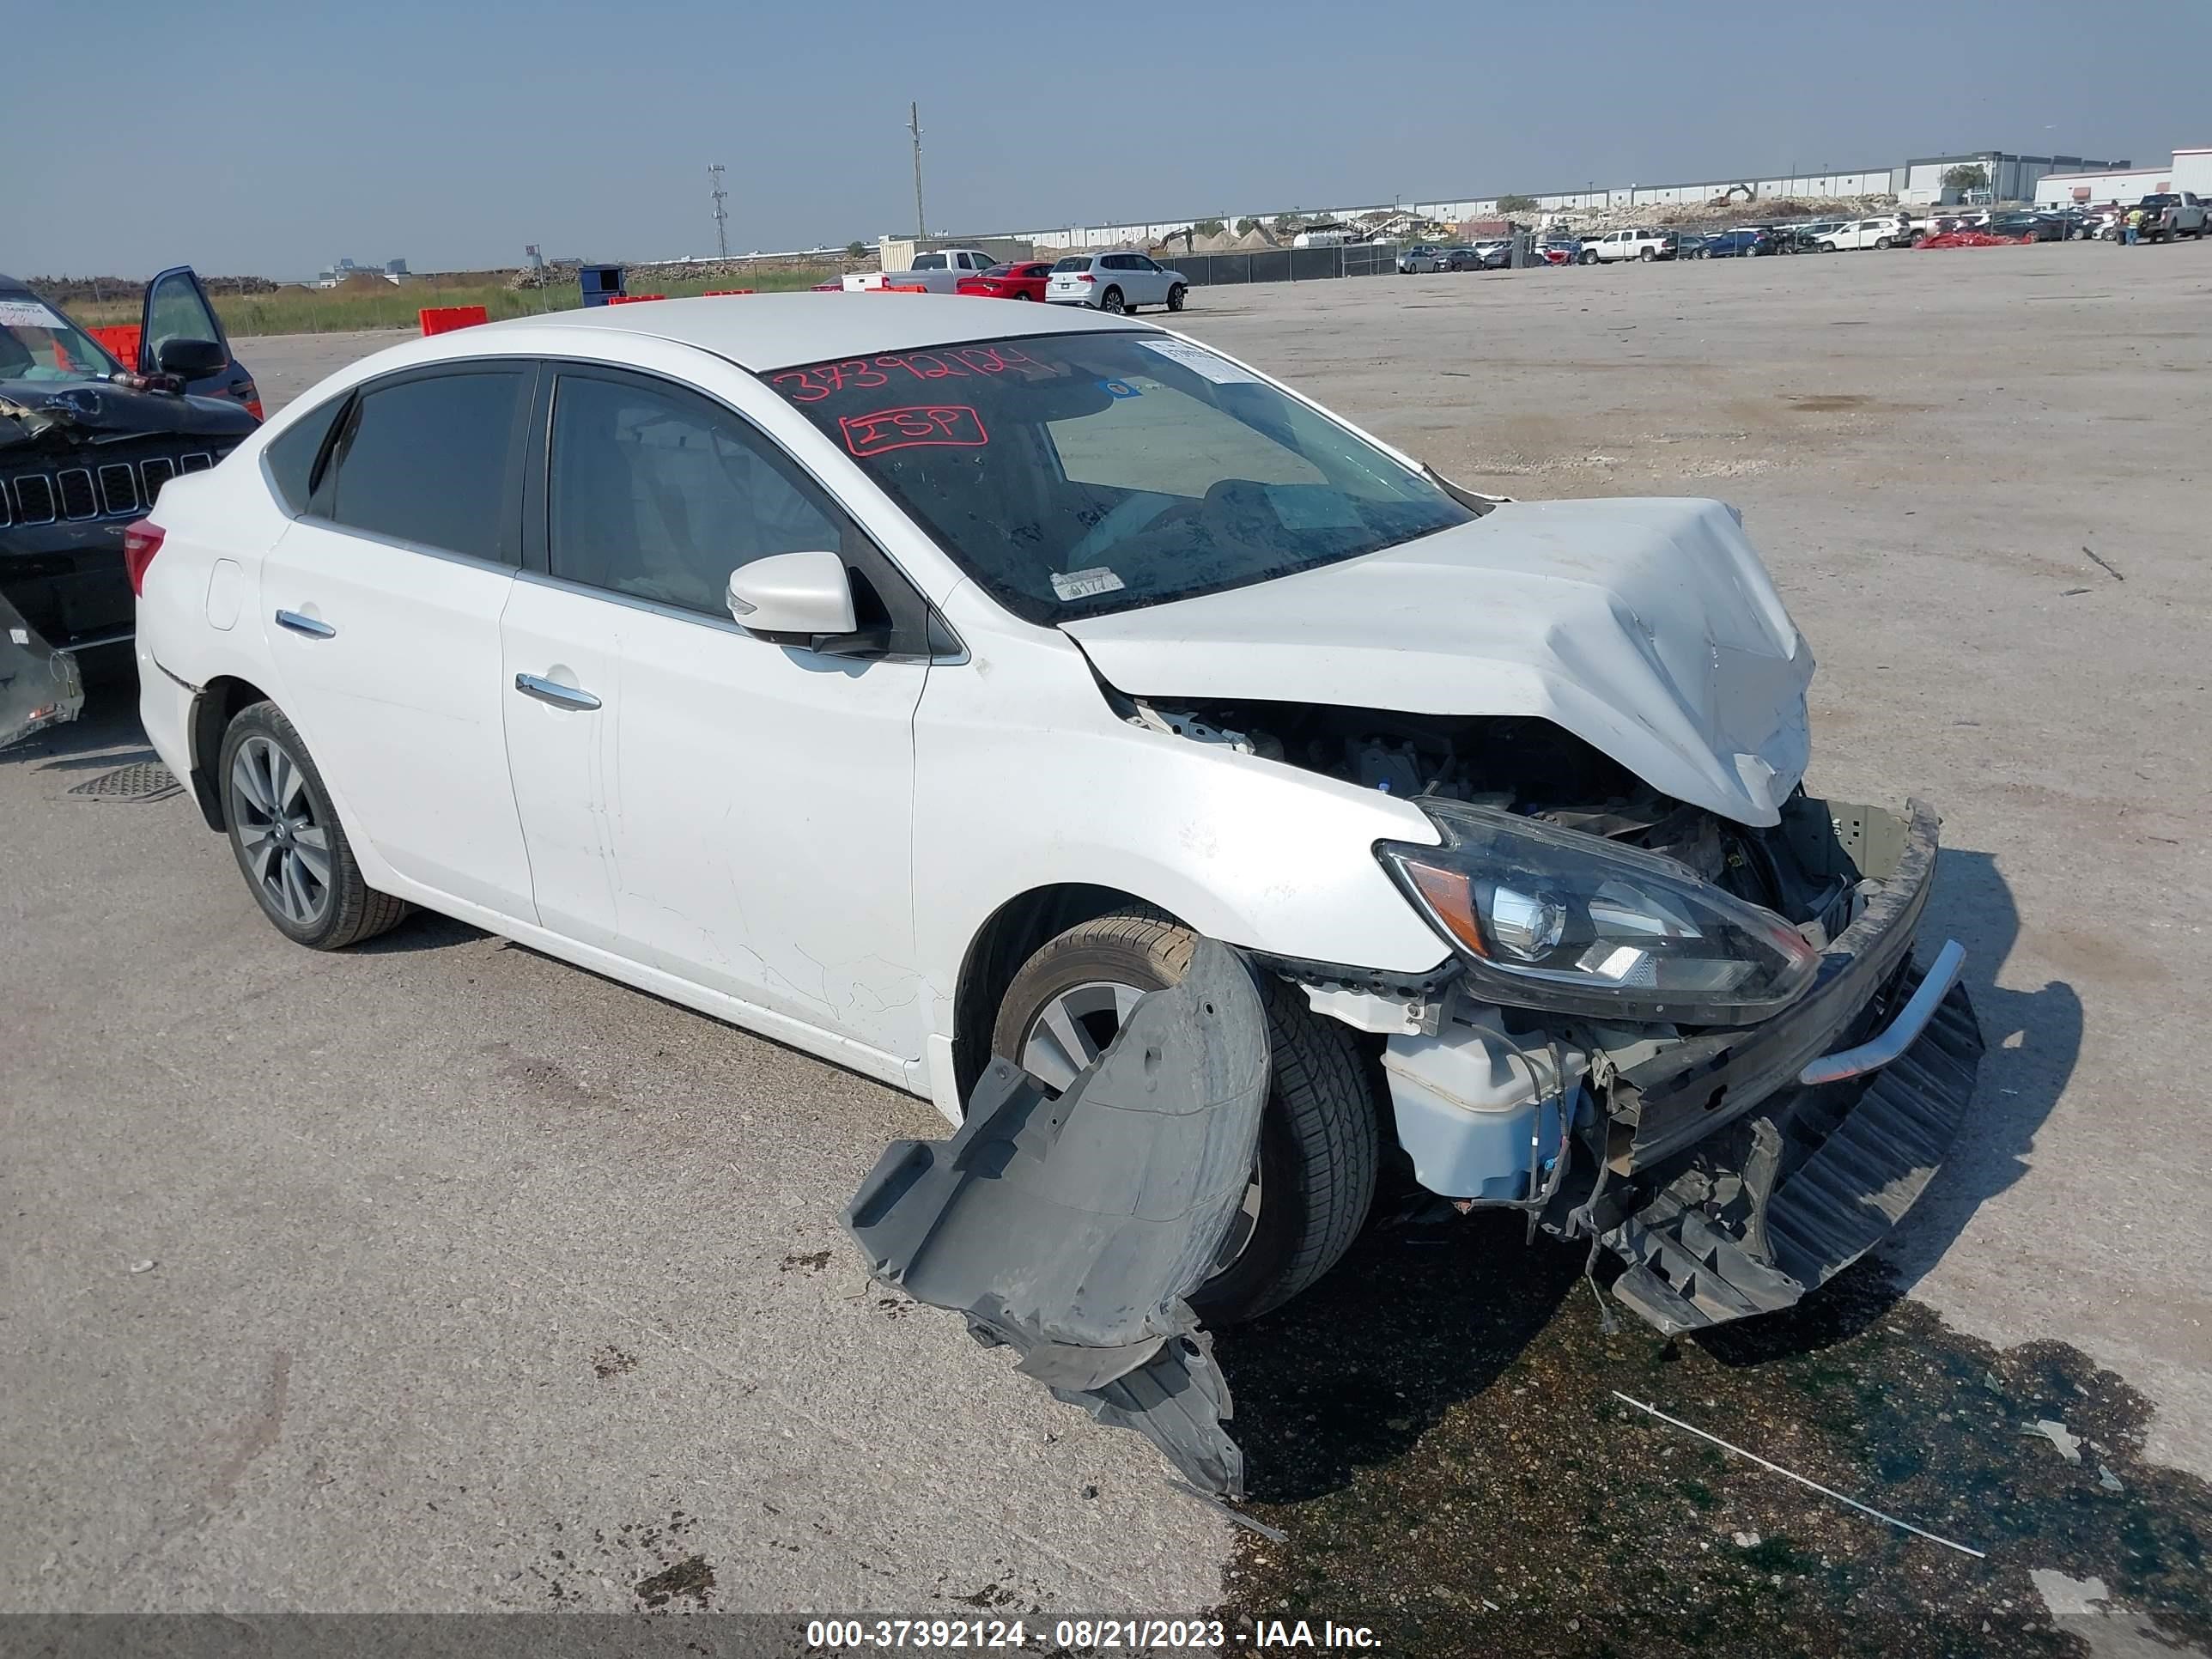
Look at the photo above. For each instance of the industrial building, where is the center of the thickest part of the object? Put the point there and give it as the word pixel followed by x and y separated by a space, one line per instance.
pixel 2190 169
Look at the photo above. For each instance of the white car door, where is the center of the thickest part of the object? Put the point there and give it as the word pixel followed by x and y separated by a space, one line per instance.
pixel 381 606
pixel 732 812
pixel 1155 280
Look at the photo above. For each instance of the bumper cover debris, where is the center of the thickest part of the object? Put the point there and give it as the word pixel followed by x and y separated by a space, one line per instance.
pixel 1073 1229
pixel 39 685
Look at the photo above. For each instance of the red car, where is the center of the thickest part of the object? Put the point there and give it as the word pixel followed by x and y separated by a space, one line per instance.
pixel 1022 281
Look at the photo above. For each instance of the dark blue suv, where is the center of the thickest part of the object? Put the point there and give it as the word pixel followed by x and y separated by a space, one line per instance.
pixel 1742 244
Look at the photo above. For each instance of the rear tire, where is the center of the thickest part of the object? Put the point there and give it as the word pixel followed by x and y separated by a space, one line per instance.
pixel 1111 301
pixel 1588 258
pixel 1648 255
pixel 1319 1143
pixel 288 841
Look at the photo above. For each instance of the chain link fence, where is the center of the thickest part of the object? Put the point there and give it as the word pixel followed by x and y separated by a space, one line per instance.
pixel 1286 265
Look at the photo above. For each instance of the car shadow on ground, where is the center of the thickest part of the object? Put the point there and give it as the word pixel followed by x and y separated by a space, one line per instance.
pixel 2035 1040
pixel 106 735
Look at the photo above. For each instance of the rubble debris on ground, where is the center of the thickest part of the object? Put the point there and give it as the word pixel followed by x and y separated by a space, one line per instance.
pixel 1073 1228
pixel 2069 1445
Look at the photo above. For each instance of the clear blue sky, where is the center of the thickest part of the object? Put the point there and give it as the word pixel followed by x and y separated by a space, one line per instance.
pixel 270 139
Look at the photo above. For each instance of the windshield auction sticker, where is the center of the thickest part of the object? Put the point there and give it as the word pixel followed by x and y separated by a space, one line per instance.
pixel 27 313
pixel 1085 584
pixel 1199 360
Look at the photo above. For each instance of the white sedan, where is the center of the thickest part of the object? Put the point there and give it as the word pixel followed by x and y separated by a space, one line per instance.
pixel 848 669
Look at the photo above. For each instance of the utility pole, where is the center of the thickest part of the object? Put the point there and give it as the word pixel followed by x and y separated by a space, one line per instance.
pixel 721 214
pixel 914 126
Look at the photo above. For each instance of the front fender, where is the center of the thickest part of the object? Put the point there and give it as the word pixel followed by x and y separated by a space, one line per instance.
pixel 1025 779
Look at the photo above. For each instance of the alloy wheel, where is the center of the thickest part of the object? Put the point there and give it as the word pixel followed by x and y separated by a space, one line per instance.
pixel 285 849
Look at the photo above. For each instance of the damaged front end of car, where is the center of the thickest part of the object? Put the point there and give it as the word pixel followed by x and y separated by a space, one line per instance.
pixel 1736 1090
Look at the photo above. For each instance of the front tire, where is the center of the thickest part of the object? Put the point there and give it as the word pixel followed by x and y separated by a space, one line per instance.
pixel 1319 1142
pixel 1177 296
pixel 288 841
pixel 1111 301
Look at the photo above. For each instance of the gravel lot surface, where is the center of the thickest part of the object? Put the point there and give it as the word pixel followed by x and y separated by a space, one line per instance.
pixel 480 1282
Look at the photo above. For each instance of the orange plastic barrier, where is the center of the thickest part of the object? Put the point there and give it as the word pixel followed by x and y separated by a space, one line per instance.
pixel 633 299
pixel 444 319
pixel 721 293
pixel 121 338
pixel 899 288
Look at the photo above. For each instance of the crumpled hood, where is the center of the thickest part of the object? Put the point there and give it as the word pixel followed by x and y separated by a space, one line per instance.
pixel 1646 627
pixel 64 411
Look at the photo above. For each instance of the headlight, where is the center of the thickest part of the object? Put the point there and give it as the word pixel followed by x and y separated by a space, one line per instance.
pixel 1548 918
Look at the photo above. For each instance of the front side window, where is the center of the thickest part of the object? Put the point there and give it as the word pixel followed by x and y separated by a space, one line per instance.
pixel 176 311
pixel 428 460
pixel 659 494
pixel 1076 475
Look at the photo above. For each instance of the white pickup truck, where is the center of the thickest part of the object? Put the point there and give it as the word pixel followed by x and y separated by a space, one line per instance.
pixel 1642 244
pixel 939 271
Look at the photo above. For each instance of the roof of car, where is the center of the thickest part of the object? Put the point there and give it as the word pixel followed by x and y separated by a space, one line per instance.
pixel 776 331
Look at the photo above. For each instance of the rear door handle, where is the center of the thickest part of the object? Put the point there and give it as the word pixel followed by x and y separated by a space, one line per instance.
pixel 307 625
pixel 552 691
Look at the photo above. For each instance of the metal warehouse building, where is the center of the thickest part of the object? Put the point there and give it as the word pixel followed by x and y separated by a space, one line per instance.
pixel 2190 169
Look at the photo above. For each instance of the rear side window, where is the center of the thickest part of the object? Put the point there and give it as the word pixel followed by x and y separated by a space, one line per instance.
pixel 928 262
pixel 429 461
pixel 292 455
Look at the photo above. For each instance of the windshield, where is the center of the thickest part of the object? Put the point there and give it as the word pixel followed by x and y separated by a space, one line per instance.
pixel 37 342
pixel 1075 475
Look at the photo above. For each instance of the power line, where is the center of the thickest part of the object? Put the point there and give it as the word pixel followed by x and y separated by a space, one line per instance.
pixel 914 126
pixel 721 214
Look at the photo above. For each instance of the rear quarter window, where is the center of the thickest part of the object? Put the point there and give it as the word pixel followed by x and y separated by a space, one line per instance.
pixel 292 454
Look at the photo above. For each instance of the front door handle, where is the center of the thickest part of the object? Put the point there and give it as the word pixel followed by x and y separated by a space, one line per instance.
pixel 307 625
pixel 552 691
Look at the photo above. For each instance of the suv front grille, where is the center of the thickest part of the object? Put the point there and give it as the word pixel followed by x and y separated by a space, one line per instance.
pixel 78 499
pixel 116 490
pixel 34 499
pixel 119 488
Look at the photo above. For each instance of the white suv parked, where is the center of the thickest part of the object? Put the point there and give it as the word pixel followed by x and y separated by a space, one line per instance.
pixel 1645 244
pixel 1114 282
pixel 1888 230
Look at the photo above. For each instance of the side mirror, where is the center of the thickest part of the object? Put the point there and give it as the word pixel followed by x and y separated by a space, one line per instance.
pixel 190 360
pixel 793 598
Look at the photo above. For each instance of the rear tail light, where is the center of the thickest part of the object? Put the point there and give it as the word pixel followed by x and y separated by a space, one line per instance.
pixel 1086 277
pixel 142 540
